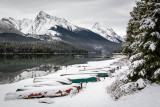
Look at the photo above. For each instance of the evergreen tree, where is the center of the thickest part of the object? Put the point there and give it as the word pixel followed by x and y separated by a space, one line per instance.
pixel 143 41
pixel 132 29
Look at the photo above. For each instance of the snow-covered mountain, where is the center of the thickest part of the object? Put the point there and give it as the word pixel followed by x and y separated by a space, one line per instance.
pixel 41 25
pixel 50 28
pixel 106 32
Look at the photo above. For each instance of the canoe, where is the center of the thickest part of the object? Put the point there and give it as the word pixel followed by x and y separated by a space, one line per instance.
pixel 87 73
pixel 102 75
pixel 45 83
pixel 45 87
pixel 98 74
pixel 90 79
pixel 52 91
pixel 60 80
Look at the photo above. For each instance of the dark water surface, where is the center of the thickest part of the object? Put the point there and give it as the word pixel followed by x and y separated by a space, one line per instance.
pixel 18 67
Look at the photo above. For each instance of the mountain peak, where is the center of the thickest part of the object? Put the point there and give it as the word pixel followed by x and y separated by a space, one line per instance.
pixel 101 26
pixel 98 24
pixel 106 32
pixel 43 14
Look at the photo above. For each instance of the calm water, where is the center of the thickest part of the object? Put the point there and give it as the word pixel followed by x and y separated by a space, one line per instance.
pixel 18 67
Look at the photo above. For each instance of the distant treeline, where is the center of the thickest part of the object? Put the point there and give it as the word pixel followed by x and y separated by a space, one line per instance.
pixel 39 47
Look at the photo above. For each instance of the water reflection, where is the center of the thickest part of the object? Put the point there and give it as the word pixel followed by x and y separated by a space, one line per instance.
pixel 18 67
pixel 13 63
pixel 35 72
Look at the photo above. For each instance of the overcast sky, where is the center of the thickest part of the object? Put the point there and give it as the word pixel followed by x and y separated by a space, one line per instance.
pixel 84 13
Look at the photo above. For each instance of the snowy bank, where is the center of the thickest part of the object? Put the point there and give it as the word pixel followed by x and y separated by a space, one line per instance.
pixel 93 94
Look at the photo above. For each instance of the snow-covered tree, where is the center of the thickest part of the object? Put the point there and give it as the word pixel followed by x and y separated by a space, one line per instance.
pixel 132 29
pixel 143 41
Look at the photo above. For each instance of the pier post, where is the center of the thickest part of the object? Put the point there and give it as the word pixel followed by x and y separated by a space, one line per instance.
pixel 81 85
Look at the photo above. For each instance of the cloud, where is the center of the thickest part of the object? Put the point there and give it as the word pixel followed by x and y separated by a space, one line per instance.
pixel 113 13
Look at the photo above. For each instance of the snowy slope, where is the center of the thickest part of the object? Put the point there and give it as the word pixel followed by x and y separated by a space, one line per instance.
pixel 92 95
pixel 10 33
pixel 23 25
pixel 106 32
pixel 5 27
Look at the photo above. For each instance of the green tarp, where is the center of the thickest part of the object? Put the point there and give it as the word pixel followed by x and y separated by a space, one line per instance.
pixel 20 90
pixel 91 79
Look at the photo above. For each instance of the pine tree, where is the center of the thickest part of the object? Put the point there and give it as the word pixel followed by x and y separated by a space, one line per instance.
pixel 132 29
pixel 143 38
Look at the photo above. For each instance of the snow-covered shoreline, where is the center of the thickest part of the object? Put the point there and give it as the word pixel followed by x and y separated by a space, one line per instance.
pixel 93 94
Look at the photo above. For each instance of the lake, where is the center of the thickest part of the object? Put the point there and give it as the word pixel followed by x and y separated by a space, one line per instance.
pixel 14 68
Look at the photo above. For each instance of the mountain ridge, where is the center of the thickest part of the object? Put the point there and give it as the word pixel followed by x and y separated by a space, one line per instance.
pixel 50 28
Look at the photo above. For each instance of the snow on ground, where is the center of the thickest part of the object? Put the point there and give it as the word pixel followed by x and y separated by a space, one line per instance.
pixel 92 95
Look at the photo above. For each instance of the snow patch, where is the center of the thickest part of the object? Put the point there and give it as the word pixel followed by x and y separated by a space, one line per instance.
pixel 140 83
pixel 147 23
pixel 152 47
pixel 142 72
pixel 138 55
pixel 156 73
pixel 120 88
pixel 156 34
pixel 46 100
pixel 137 63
